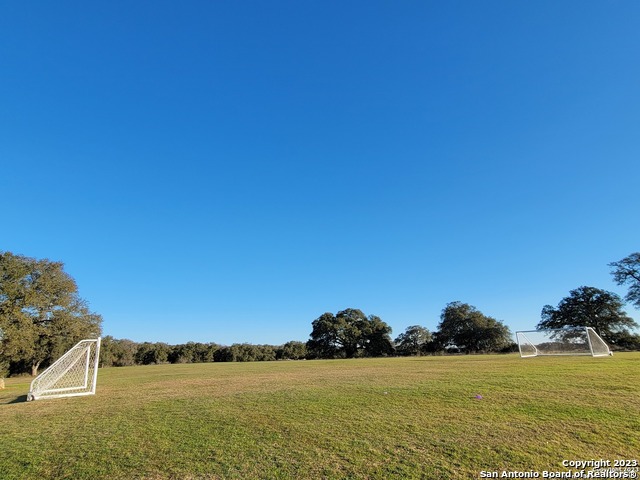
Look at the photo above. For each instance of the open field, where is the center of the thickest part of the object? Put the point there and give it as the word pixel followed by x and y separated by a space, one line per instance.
pixel 369 418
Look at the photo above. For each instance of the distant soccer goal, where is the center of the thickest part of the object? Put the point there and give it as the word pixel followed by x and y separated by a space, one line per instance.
pixel 562 341
pixel 73 374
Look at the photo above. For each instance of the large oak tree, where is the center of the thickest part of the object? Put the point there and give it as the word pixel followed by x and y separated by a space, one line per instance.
pixel 413 341
pixel 591 307
pixel 41 312
pixel 349 333
pixel 464 327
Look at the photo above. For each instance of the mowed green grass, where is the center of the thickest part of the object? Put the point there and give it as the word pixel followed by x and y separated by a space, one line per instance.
pixel 368 418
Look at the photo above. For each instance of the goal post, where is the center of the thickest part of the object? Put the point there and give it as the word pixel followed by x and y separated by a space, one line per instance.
pixel 73 374
pixel 562 341
pixel 598 346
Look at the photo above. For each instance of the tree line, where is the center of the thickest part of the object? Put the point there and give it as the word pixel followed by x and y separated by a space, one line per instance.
pixel 462 329
pixel 123 353
pixel 348 334
pixel 42 316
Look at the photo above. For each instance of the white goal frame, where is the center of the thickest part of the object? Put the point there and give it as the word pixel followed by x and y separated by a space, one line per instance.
pixel 73 374
pixel 562 341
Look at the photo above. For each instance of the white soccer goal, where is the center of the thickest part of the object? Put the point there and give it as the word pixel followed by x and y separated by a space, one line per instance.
pixel 73 374
pixel 562 341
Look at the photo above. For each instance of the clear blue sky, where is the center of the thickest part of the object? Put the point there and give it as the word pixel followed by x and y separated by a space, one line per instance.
pixel 228 171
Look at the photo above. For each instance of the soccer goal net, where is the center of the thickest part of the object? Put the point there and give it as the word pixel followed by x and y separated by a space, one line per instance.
pixel 73 374
pixel 563 341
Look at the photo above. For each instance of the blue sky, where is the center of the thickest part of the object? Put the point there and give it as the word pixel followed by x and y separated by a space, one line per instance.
pixel 229 171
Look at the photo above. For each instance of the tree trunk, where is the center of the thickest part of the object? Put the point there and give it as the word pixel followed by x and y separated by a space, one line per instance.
pixel 34 369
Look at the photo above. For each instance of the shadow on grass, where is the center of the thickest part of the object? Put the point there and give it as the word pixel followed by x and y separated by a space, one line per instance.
pixel 19 399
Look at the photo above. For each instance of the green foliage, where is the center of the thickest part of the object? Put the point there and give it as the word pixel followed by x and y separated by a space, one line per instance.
pixel 117 353
pixel 463 327
pixel 377 338
pixel 348 334
pixel 591 307
pixel 292 351
pixel 326 341
pixel 41 313
pixel 122 353
pixel 193 352
pixel 152 353
pixel 625 341
pixel 413 341
pixel 245 352
pixel 627 272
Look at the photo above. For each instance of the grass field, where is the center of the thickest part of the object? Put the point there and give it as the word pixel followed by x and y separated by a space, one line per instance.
pixel 369 418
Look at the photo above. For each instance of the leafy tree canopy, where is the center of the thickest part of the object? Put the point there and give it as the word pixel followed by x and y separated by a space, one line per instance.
pixel 41 313
pixel 463 326
pixel 590 307
pixel 292 350
pixel 413 341
pixel 627 272
pixel 349 333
